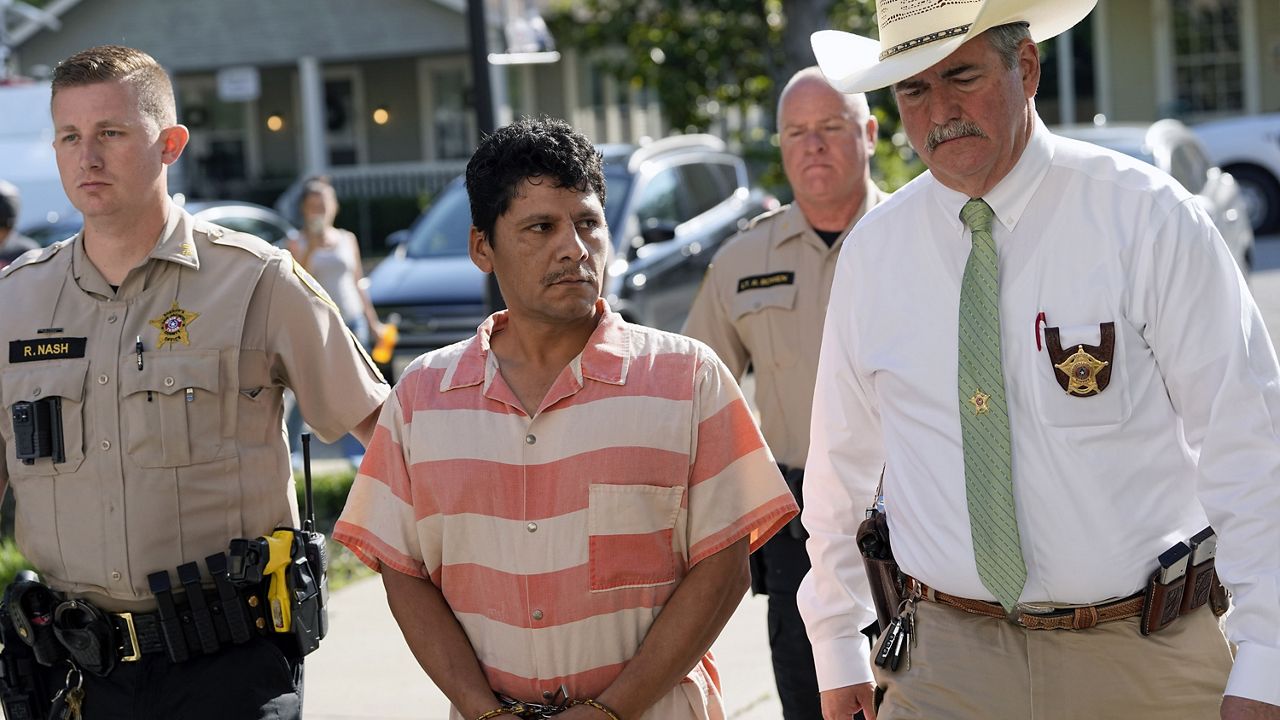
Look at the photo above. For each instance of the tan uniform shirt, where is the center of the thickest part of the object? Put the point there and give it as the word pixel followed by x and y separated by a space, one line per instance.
pixel 170 457
pixel 763 302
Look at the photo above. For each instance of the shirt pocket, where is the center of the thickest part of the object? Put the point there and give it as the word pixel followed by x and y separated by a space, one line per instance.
pixel 762 315
pixel 172 410
pixel 1059 408
pixel 65 380
pixel 630 531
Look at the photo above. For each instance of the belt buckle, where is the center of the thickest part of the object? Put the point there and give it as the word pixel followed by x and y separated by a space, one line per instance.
pixel 133 638
pixel 1022 610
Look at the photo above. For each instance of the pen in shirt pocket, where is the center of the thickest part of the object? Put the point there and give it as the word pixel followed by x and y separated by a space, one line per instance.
pixel 1040 320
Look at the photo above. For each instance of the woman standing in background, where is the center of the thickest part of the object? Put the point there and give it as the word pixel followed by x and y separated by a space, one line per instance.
pixel 332 256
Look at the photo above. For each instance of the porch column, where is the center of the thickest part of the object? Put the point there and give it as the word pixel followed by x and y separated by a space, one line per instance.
pixel 1066 80
pixel 311 82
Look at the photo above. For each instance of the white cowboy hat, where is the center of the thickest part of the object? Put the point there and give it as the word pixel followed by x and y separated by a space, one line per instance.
pixel 916 34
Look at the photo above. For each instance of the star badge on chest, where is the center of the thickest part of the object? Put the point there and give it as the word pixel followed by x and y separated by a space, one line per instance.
pixel 981 402
pixel 1082 370
pixel 173 325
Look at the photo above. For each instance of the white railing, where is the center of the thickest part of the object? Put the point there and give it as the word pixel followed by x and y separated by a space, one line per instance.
pixel 412 179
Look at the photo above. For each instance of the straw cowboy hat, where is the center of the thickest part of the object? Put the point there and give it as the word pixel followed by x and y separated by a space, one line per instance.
pixel 916 34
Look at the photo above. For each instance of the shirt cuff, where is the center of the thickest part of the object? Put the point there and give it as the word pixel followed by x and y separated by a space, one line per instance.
pixel 842 661
pixel 1253 676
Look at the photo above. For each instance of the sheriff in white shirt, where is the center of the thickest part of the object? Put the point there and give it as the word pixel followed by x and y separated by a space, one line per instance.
pixel 1141 391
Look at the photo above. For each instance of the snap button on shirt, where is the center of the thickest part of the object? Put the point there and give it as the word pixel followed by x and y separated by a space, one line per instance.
pixel 532 527
pixel 537 614
pixel 530 439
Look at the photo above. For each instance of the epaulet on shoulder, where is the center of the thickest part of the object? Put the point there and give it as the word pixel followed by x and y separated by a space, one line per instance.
pixel 219 235
pixel 34 258
pixel 762 217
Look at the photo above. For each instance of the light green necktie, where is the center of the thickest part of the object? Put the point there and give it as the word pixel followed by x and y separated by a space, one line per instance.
pixel 984 417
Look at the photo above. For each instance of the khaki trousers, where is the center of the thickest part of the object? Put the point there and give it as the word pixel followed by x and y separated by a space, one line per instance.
pixel 968 667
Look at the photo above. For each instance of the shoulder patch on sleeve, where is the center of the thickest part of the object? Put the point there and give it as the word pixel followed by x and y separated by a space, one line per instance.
pixel 34 258
pixel 311 283
pixel 765 216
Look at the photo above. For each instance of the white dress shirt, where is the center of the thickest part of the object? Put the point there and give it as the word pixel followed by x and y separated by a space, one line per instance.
pixel 1186 434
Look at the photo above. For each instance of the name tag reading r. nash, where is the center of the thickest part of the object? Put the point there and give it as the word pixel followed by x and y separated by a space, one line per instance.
pixel 21 351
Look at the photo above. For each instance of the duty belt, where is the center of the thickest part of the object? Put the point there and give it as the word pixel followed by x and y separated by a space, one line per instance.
pixel 1034 616
pixel 197 622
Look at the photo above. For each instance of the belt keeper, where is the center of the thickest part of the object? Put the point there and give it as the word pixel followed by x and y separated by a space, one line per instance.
pixel 189 574
pixel 175 641
pixel 1084 618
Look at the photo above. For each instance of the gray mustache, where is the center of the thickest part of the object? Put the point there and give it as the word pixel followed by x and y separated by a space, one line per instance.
pixel 951 131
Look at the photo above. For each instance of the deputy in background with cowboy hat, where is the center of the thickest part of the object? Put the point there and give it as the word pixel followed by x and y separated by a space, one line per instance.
pixel 1048 351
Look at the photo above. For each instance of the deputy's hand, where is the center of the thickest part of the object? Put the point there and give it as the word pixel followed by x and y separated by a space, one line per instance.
pixel 1238 708
pixel 842 703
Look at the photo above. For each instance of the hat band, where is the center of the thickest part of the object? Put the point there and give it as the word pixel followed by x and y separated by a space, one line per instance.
pixel 924 40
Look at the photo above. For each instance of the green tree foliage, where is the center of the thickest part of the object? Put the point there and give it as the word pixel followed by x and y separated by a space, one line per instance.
pixel 699 56
pixel 702 57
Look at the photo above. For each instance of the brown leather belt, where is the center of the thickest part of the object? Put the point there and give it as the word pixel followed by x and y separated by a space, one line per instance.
pixel 1033 616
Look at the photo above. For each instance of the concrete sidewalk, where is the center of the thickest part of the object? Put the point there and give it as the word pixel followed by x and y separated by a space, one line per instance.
pixel 364 670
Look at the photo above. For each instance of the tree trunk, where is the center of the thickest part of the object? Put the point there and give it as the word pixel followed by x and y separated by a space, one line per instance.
pixel 802 19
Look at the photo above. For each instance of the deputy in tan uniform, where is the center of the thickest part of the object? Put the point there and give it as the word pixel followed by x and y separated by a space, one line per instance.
pixel 160 346
pixel 763 303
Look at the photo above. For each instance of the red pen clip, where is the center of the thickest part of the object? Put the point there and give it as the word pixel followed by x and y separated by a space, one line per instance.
pixel 1040 320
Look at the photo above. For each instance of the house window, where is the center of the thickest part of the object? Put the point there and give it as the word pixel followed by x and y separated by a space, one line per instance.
pixel 1208 72
pixel 217 150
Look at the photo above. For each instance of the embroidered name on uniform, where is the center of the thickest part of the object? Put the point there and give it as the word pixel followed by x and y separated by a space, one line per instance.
pixel 755 282
pixel 55 349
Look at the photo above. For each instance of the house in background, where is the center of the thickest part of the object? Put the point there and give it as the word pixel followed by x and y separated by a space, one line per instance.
pixel 376 94
pixel 1142 60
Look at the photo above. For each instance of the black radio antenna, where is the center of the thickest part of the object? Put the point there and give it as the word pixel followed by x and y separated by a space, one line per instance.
pixel 309 523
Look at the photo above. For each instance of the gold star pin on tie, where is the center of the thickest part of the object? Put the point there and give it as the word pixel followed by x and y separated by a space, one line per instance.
pixel 1082 371
pixel 173 325
pixel 981 402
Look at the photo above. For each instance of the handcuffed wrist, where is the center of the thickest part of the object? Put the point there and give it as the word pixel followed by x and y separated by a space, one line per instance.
pixel 597 705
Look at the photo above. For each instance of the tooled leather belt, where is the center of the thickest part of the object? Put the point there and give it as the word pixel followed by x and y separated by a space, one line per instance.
pixel 1034 616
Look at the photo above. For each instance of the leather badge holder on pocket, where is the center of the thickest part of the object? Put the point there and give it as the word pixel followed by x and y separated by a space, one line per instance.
pixel 1084 370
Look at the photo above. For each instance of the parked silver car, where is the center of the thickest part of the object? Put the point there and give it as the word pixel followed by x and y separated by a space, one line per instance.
pixel 234 215
pixel 1171 146
pixel 1249 148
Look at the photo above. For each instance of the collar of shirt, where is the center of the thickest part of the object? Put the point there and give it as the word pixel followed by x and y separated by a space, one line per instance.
pixel 605 358
pixel 793 224
pixel 175 245
pixel 1010 197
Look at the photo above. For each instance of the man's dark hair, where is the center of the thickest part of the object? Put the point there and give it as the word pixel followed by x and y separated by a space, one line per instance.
pixel 529 149
pixel 10 204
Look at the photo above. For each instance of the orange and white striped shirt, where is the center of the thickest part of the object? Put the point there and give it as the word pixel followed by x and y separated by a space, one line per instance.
pixel 557 539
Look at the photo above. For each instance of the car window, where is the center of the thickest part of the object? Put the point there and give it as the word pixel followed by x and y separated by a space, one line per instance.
pixel 705 186
pixel 1188 166
pixel 445 227
pixel 659 202
pixel 617 185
